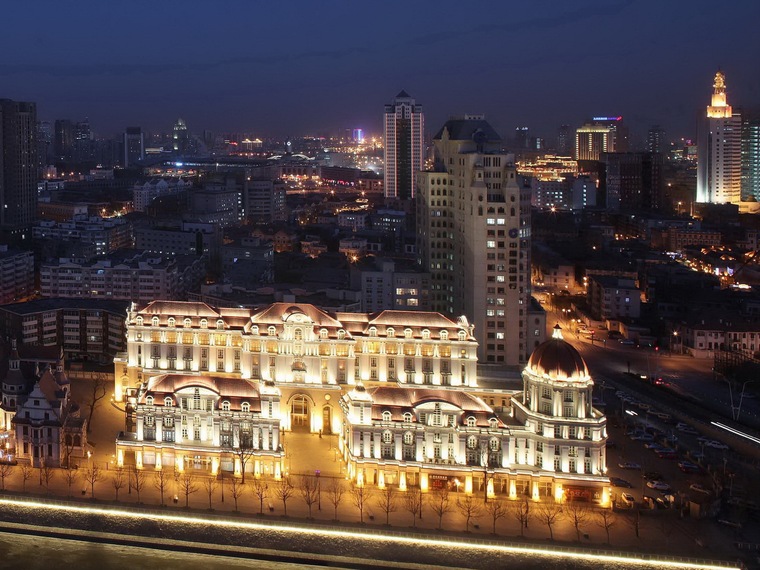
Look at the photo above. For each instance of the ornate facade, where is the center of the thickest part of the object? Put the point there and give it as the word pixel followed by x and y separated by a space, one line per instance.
pixel 211 387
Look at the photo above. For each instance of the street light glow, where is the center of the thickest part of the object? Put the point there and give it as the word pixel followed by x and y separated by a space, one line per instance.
pixel 379 537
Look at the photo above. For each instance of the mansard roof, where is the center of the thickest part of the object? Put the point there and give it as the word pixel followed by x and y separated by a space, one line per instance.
pixel 168 384
pixel 276 313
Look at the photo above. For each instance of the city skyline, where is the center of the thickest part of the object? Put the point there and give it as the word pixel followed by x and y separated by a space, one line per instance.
pixel 321 69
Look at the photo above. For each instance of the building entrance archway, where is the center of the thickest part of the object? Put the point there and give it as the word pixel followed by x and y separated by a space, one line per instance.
pixel 327 420
pixel 299 413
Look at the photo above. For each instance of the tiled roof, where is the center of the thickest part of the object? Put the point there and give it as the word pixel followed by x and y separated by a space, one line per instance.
pixel 168 384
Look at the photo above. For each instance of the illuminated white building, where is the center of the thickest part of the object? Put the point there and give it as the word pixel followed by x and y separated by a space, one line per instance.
pixel 398 387
pixel 719 150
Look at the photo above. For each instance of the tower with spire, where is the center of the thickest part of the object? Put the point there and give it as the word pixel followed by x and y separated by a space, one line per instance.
pixel 719 149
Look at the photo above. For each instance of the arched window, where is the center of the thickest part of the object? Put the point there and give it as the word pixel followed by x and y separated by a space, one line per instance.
pixel 204 323
pixel 271 331
pixel 462 335
pixel 472 442
pixel 225 406
pixel 322 333
pixel 408 438
pixel 425 334
pixel 255 329
pixel 387 436
pixel 220 325
pixel 493 423
pixel 245 407
pixel 298 334
pixel 372 331
pixel 407 418
pixel 171 321
pixel 149 400
pixel 386 416
pixel 187 323
pixel 168 402
pixel 471 421
pixel 444 335
pixel 407 333
pixel 154 321
pixel 139 321
pixel 494 444
pixel 390 332
pixel 341 334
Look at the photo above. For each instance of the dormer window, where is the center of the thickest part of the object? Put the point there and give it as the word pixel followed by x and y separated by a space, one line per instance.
pixel 154 321
pixel 171 321
pixel 322 333
pixel 372 331
pixel 204 323
pixel 444 335
pixel 493 423
pixel 471 421
pixel 245 407
pixel 149 400
pixel 425 334
pixel 390 332
pixel 139 321
pixel 341 334
pixel 220 325
pixel 168 402
pixel 462 336
pixel 386 416
pixel 407 333
pixel 255 329
pixel 187 323
pixel 407 418
pixel 225 406
pixel 271 331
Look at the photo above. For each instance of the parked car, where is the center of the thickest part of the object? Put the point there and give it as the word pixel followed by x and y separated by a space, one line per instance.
pixel 653 445
pixel 661 503
pixel 699 488
pixel 688 467
pixel 658 486
pixel 629 465
pixel 686 428
pixel 716 444
pixel 667 453
pixel 618 482
pixel 627 499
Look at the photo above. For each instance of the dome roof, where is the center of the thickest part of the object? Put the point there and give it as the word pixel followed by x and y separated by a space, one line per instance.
pixel 557 359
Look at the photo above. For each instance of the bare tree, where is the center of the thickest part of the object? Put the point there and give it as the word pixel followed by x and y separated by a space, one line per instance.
pixel 92 475
pixel 261 490
pixel 46 474
pixel 6 470
pixel 189 485
pixel 387 501
pixel 98 391
pixel 71 477
pixel 308 487
pixel 118 479
pixel 284 491
pixel 161 483
pixel 606 519
pixel 236 489
pixel 469 509
pixel 27 472
pixel 413 503
pixel 522 513
pixel 210 485
pixel 579 515
pixel 440 502
pixel 634 522
pixel 138 482
pixel 242 449
pixel 360 495
pixel 549 513
pixel 496 509
pixel 335 492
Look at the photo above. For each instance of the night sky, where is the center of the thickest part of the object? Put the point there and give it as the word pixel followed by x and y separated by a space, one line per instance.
pixel 317 67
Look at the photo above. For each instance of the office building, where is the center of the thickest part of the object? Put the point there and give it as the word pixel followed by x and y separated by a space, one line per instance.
pixel 633 181
pixel 751 158
pixel 134 146
pixel 404 146
pixel 719 149
pixel 18 170
pixel 473 221
pixel 656 139
pixel 565 141
pixel 601 134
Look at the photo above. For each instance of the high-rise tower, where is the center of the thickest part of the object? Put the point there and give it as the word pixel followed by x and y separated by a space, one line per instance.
pixel 404 156
pixel 719 149
pixel 473 224
pixel 18 170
